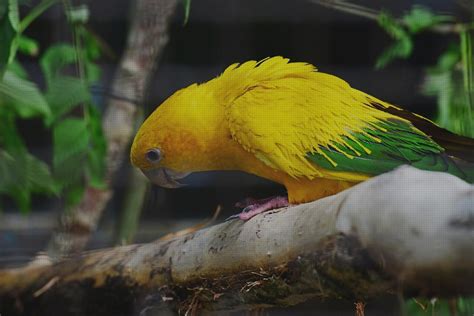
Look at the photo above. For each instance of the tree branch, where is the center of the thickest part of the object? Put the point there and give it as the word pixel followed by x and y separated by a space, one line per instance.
pixel 371 14
pixel 146 40
pixel 407 230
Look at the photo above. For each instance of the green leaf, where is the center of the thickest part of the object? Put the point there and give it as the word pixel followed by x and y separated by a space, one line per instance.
pixel 448 59
pixel 187 9
pixel 400 49
pixel 420 18
pixel 13 14
pixel 445 81
pixel 96 169
pixel 92 50
pixel 64 93
pixel 91 45
pixel 8 32
pixel 34 13
pixel 55 59
pixel 10 139
pixel 27 45
pixel 23 96
pixel 439 79
pixel 16 68
pixel 440 84
pixel 468 81
pixel 70 138
pixel 391 26
pixel 12 175
pixel 74 193
pixel 70 147
pixel 468 65
pixel 403 46
pixel 21 174
pixel 93 72
pixel 22 198
pixel 3 8
pixel 96 164
pixel 39 176
pixel 14 18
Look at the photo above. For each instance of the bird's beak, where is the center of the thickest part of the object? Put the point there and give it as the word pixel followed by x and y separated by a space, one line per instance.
pixel 165 178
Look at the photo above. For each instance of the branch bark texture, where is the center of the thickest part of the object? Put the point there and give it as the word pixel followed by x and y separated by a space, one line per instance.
pixel 407 231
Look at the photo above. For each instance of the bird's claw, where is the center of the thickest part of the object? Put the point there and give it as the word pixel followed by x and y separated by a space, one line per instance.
pixel 231 217
pixel 254 207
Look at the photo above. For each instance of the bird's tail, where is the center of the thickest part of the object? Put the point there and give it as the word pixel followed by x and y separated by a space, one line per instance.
pixel 459 150
pixel 466 169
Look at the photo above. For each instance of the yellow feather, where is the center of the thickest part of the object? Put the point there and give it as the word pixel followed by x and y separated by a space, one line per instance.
pixel 294 107
pixel 263 118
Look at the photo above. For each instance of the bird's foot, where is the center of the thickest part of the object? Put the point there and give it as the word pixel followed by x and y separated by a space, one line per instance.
pixel 252 207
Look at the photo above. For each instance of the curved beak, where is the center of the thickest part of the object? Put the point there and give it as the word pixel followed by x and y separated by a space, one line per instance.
pixel 165 178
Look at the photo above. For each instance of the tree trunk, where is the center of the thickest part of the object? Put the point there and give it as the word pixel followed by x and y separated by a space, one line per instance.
pixel 147 37
pixel 406 231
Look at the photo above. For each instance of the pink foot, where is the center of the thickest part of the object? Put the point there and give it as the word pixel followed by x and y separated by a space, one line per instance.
pixel 253 207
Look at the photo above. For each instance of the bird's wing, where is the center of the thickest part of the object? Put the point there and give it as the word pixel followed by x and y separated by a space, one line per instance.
pixel 319 126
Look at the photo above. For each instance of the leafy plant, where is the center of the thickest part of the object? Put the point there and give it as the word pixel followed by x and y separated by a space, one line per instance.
pixel 445 82
pixel 451 79
pixel 403 45
pixel 9 25
pixel 402 30
pixel 424 307
pixel 65 107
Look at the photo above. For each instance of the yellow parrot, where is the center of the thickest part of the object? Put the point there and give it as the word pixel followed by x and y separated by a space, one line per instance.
pixel 289 123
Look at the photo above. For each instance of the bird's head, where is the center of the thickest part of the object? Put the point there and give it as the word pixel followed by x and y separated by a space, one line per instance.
pixel 176 138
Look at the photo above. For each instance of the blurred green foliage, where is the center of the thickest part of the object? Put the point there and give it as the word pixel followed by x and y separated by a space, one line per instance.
pixel 451 82
pixel 445 81
pixel 65 106
pixel 424 307
pixel 451 79
pixel 402 30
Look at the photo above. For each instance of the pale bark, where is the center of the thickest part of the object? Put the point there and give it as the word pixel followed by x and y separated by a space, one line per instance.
pixel 407 231
pixel 147 37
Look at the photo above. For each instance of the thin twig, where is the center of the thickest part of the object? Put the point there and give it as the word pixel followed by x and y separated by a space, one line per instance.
pixel 194 228
pixel 46 287
pixel 372 14
pixel 35 13
pixel 351 8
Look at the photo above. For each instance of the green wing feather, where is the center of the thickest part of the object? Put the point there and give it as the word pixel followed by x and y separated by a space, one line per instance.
pixel 294 119
pixel 399 144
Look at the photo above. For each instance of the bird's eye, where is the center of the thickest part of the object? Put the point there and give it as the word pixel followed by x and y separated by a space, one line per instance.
pixel 153 155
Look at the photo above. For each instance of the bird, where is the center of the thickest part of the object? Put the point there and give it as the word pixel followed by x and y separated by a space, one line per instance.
pixel 287 122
